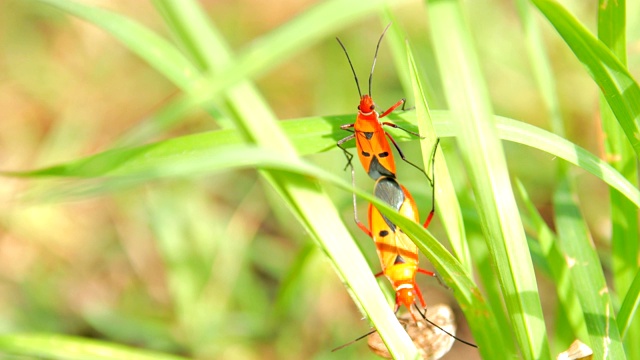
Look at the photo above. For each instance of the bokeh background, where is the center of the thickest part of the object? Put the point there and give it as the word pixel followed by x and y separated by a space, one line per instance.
pixel 213 267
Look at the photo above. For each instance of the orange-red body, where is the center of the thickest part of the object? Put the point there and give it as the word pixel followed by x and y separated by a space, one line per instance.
pixel 372 146
pixel 398 254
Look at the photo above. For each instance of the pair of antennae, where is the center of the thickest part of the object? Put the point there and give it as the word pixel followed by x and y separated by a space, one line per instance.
pixel 424 316
pixel 373 66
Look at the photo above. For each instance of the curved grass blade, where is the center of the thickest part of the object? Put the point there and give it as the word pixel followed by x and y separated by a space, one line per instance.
pixel 448 208
pixel 140 40
pixel 69 347
pixel 318 134
pixel 559 271
pixel 624 215
pixel 618 87
pixel 484 159
pixel 587 275
pixel 260 56
pixel 305 197
pixel 629 307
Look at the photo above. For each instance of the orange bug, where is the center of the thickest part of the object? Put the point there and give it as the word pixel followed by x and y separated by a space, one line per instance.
pixel 398 254
pixel 373 148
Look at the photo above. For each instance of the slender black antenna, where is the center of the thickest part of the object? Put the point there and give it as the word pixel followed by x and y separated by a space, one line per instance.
pixel 351 342
pixel 375 57
pixel 446 332
pixel 351 65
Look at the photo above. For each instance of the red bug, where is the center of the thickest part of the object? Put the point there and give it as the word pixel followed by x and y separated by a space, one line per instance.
pixel 398 254
pixel 373 149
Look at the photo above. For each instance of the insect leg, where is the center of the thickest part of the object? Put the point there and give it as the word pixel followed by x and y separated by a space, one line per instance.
pixel 393 107
pixel 346 152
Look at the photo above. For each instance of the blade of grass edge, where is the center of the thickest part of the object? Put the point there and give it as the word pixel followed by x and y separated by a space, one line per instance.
pixel 618 87
pixel 484 158
pixel 53 346
pixel 448 208
pixel 305 197
pixel 559 271
pixel 309 136
pixel 624 215
pixel 629 306
pixel 587 275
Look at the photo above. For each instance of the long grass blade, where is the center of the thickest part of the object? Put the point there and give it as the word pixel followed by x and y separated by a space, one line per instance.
pixel 447 205
pixel 587 276
pixel 305 197
pixel 484 159
pixel 309 136
pixel 618 87
pixel 69 347
pixel 624 215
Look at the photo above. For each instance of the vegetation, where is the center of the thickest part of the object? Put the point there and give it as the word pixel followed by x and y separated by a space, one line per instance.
pixel 154 156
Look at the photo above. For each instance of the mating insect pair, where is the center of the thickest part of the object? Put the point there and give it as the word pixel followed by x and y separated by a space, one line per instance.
pixel 398 254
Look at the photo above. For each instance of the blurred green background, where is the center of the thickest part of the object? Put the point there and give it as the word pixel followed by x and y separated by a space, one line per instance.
pixel 212 267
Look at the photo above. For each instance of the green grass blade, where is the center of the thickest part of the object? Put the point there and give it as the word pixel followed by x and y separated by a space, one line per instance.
pixel 624 215
pixel 140 40
pixel 448 208
pixel 541 66
pixel 305 197
pixel 629 307
pixel 318 134
pixel 68 347
pixel 618 87
pixel 559 271
pixel 263 53
pixel 587 276
pixel 484 158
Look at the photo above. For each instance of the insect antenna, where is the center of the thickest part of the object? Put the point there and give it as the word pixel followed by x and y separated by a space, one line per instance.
pixel 445 331
pixel 375 56
pixel 351 65
pixel 353 341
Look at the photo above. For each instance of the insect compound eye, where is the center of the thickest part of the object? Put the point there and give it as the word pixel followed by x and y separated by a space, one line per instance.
pixel 358 107
pixel 372 107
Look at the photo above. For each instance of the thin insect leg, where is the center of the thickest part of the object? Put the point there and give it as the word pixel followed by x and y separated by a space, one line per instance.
pixel 408 109
pixel 347 154
pixel 355 203
pixel 432 159
pixel 395 144
pixel 424 316
pixel 433 210
pixel 435 275
pixel 347 127
pixel 393 107
pixel 427 272
pixel 390 124
pixel 419 293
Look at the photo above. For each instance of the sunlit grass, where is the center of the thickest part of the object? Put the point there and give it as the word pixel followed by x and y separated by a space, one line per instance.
pixel 176 244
